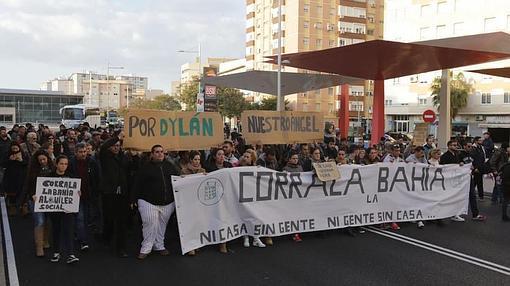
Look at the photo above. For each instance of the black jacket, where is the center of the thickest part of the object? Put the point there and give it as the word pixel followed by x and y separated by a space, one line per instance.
pixel 211 166
pixel 505 178
pixel 154 183
pixel 114 169
pixel 92 172
pixel 5 146
pixel 479 160
pixel 449 158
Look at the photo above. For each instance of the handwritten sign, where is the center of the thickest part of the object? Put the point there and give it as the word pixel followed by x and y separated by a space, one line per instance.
pixel 420 133
pixel 55 194
pixel 326 171
pixel 174 130
pixel 273 127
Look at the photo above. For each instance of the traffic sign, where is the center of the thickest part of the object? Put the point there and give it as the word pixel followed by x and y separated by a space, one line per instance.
pixel 429 116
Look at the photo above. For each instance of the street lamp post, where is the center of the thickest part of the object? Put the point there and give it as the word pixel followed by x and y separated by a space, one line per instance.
pixel 199 52
pixel 280 102
pixel 108 88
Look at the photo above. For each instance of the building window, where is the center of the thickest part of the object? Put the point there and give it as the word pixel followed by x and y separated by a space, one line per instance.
pixel 401 126
pixel 370 32
pixel 356 106
pixel 306 24
pixel 331 109
pixel 506 97
pixel 305 106
pixel 331 91
pixel 318 25
pixel 306 41
pixel 319 10
pixel 442 8
pixel 441 31
pixel 486 98
pixel 332 12
pixel 317 107
pixel 458 28
pixel 306 8
pixel 331 43
pixel 489 24
pixel 388 102
pixel 422 101
pixel 425 10
pixel 318 43
pixel 424 33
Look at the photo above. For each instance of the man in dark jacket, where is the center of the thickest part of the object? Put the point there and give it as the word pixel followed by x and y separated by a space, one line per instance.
pixel 5 145
pixel 505 183
pixel 452 155
pixel 488 144
pixel 480 168
pixel 497 160
pixel 85 168
pixel 155 201
pixel 115 193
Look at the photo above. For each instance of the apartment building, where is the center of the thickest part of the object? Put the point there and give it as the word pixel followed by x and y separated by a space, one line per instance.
pixel 209 68
pixel 99 90
pixel 488 106
pixel 309 25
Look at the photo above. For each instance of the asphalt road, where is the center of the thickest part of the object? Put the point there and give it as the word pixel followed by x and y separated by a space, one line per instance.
pixel 335 259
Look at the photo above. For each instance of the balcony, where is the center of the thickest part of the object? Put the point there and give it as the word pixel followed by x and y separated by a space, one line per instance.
pixel 351 35
pixel 351 19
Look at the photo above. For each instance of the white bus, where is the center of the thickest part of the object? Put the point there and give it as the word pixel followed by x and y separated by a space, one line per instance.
pixel 74 115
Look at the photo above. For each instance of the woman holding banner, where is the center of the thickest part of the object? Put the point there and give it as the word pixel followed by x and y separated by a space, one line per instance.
pixel 246 161
pixel 316 158
pixel 293 166
pixel 62 222
pixel 194 167
pixel 41 165
pixel 217 162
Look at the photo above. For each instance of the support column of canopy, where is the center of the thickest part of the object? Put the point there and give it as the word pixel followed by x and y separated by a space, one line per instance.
pixel 378 112
pixel 343 111
pixel 445 121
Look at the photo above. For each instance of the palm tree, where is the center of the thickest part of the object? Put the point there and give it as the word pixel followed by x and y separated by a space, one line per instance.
pixel 459 92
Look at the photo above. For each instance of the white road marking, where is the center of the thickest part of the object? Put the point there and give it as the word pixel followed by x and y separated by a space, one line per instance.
pixel 9 249
pixel 441 250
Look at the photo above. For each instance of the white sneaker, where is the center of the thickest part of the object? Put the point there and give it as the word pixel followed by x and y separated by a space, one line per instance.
pixel 247 241
pixel 458 218
pixel 421 224
pixel 258 243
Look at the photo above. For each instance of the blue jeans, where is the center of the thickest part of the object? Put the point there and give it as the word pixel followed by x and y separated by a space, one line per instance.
pixel 82 218
pixel 39 218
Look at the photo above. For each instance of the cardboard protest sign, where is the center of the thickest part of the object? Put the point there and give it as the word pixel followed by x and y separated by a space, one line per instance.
pixel 326 171
pixel 174 130
pixel 55 194
pixel 420 133
pixel 273 127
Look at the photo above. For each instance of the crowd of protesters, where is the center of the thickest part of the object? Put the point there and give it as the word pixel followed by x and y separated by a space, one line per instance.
pixel 115 181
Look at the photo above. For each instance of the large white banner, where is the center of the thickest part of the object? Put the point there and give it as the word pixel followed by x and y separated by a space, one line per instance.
pixel 256 201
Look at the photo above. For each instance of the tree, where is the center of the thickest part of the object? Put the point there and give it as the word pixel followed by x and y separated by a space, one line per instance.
pixel 459 92
pixel 161 102
pixel 267 103
pixel 188 94
pixel 231 102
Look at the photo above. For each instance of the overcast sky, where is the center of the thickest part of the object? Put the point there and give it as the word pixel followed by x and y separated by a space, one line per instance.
pixel 44 39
